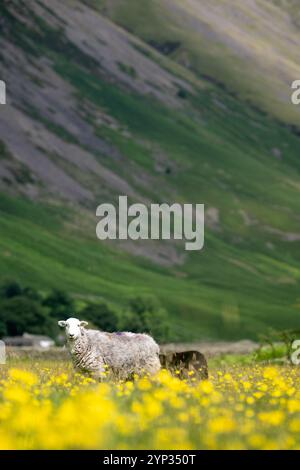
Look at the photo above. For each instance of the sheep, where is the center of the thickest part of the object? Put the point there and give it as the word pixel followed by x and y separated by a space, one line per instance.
pixel 123 354
pixel 184 362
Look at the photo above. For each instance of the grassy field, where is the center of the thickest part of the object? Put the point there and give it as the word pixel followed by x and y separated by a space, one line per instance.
pixel 164 101
pixel 244 46
pixel 214 147
pixel 44 405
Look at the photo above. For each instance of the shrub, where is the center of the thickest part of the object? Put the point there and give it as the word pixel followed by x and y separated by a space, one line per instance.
pixel 32 294
pixel 10 289
pixel 20 314
pixel 60 304
pixel 101 315
pixel 145 315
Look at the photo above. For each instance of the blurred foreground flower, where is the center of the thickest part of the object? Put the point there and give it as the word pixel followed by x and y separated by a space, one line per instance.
pixel 50 407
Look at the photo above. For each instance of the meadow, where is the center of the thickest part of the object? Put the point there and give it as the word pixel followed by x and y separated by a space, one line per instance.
pixel 218 146
pixel 45 405
pixel 160 101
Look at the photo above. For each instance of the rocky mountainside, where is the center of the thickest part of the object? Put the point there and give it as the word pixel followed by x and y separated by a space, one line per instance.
pixel 163 101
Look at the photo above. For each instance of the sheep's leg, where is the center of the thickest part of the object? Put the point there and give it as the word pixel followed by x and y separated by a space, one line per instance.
pixel 101 372
pixel 153 365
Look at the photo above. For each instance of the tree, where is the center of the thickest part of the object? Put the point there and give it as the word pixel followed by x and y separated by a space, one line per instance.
pixel 101 315
pixel 60 304
pixel 10 289
pixel 3 329
pixel 145 315
pixel 32 294
pixel 19 315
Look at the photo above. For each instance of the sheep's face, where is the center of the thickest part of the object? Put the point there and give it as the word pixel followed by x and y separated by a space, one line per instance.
pixel 73 328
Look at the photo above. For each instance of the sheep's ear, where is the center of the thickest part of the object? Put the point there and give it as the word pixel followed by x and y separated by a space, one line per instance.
pixel 61 323
pixel 83 323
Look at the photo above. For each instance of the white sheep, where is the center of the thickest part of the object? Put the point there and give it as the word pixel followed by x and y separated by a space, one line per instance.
pixel 122 354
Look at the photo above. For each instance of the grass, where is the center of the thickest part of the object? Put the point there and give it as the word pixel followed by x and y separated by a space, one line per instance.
pixel 245 47
pixel 45 405
pixel 51 257
pixel 246 280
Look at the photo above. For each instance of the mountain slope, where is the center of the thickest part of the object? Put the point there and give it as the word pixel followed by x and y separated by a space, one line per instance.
pixel 251 47
pixel 94 112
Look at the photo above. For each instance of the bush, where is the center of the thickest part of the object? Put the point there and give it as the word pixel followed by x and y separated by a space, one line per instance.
pixel 32 294
pixel 24 310
pixel 101 315
pixel 10 289
pixel 20 314
pixel 145 315
pixel 3 329
pixel 60 304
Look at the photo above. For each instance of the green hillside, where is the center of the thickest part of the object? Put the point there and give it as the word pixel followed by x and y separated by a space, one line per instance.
pixel 250 47
pixel 84 125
